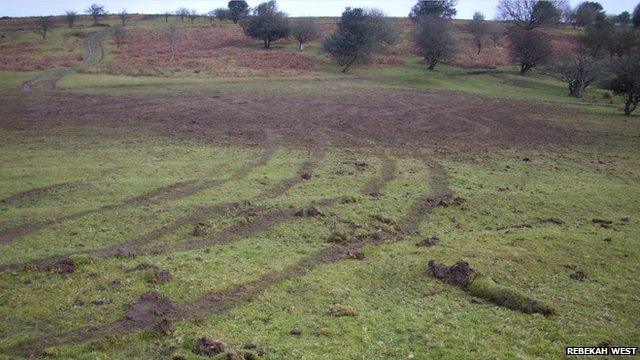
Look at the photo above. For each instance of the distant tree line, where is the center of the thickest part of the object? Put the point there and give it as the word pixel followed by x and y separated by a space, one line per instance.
pixel 608 55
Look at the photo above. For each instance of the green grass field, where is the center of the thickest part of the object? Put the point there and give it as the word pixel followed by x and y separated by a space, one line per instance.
pixel 216 181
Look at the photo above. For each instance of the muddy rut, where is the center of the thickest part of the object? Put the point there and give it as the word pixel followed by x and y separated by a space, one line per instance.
pixel 159 195
pixel 154 312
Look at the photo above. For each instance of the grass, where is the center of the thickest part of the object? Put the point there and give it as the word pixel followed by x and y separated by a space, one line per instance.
pixel 402 313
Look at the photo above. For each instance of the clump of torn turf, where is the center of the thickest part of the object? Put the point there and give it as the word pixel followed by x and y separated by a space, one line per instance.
pixel 61 265
pixel 428 242
pixel 466 278
pixel 161 277
pixel 200 230
pixel 208 347
pixel 339 235
pixel 337 310
pixel 579 275
pixel 309 211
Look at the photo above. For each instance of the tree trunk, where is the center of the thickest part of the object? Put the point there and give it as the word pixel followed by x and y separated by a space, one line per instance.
pixel 300 46
pixel 631 104
pixel 479 48
pixel 432 64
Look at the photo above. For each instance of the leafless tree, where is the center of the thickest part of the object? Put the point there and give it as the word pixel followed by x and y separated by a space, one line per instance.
pixel 119 35
pixel 529 14
pixel 528 48
pixel 496 32
pixel 478 29
pixel 435 39
pixel 166 16
pixel 305 30
pixel 222 14
pixel 70 17
pixel 172 36
pixel 579 71
pixel 124 16
pixel 96 11
pixel 182 13
pixel 193 14
pixel 43 24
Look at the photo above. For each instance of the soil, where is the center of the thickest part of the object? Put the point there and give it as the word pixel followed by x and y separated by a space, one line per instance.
pixel 209 347
pixel 428 242
pixel 36 193
pixel 579 275
pixel 460 274
pixel 151 311
pixel 161 277
pixel 62 265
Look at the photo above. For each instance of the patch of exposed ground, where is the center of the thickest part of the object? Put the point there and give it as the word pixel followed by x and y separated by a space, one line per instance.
pixel 37 193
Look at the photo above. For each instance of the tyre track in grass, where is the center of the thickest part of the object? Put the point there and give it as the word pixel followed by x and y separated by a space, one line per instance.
pixel 159 313
pixel 137 244
pixel 163 194
pixel 38 193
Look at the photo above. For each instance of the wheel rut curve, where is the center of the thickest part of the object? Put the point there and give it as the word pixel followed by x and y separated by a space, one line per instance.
pixel 220 301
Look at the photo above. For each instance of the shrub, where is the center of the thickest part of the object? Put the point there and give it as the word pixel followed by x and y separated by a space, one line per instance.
pixel 579 72
pixel 435 39
pixel 360 33
pixel 305 30
pixel 528 48
pixel 238 10
pixel 266 23
pixel 625 81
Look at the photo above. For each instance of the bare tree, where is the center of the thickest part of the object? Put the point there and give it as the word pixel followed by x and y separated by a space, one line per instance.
pixel 124 16
pixel 222 14
pixel 579 71
pixel 172 36
pixel 96 11
pixel 119 35
pixel 478 29
pixel 166 16
pixel 182 13
pixel 70 17
pixel 529 14
pixel 435 39
pixel 43 24
pixel 305 30
pixel 496 32
pixel 193 14
pixel 528 48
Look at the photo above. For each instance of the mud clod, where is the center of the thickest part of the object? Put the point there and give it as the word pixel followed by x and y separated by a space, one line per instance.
pixel 200 230
pixel 434 240
pixel 554 220
pixel 209 347
pixel 124 253
pixel 161 277
pixel 305 176
pixel 460 274
pixel 232 355
pixel 295 332
pixel 152 311
pixel 337 310
pixel 601 221
pixel 356 254
pixel 250 346
pixel 579 275
pixel 483 287
pixel 310 211
pixel 62 265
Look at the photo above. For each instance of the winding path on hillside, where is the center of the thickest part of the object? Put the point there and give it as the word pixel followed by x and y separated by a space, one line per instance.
pixel 93 54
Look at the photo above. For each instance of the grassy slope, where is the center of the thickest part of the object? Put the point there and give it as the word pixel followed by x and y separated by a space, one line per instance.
pixel 402 313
